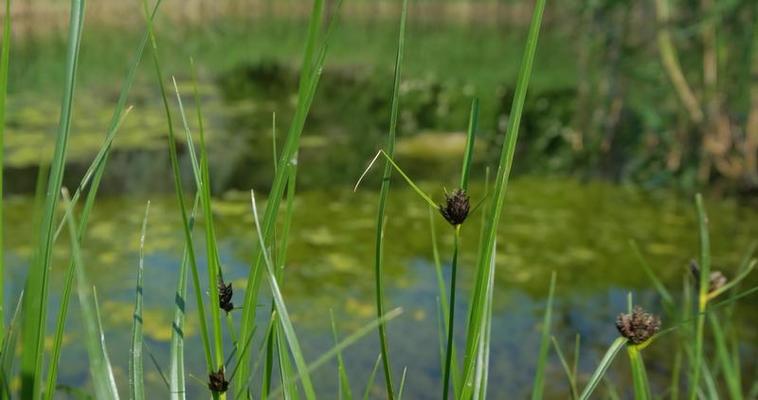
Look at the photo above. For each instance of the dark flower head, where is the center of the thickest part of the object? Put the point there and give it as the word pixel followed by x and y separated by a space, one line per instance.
pixel 638 326
pixel 225 296
pixel 715 280
pixel 456 207
pixel 217 382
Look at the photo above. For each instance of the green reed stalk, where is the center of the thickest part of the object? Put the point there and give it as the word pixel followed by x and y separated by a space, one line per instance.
pixel 136 365
pixel 383 196
pixel 465 173
pixel 178 188
pixel 177 384
pixel 372 377
pixel 602 367
pixel 451 316
pixel 4 63
pixel 214 262
pixel 344 393
pixel 539 377
pixel 344 344
pixel 35 309
pixel 8 350
pixel 284 319
pixel 639 376
pixel 705 272
pixel 477 319
pixel 570 373
pixel 309 79
pixel 94 339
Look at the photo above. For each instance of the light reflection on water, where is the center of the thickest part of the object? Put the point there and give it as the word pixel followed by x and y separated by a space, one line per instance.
pixel 579 230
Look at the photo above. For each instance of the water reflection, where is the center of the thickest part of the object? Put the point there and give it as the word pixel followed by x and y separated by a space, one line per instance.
pixel 579 230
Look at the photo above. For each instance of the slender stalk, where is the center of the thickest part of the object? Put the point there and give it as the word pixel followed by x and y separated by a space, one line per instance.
pixel 597 376
pixel 136 366
pixel 639 376
pixel 178 188
pixel 4 63
pixel 477 304
pixel 539 377
pixel 35 310
pixel 380 217
pixel 705 271
pixel 451 317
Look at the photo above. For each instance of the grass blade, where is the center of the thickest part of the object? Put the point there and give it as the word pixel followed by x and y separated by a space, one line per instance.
pixel 639 375
pixel 178 188
pixel 703 285
pixel 312 67
pixel 345 393
pixel 566 369
pixel 380 215
pixel 483 351
pixel 176 367
pixel 402 384
pixel 539 377
pixel 372 377
pixel 281 309
pixel 477 307
pixel 4 63
pixel 136 365
pixel 100 366
pixel 347 342
pixel 8 350
pixel 35 309
pixel 600 370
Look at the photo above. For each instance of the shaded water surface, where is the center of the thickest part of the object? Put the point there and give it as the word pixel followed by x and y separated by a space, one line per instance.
pixel 579 230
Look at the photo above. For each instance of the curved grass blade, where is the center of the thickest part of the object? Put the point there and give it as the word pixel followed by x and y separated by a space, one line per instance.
pixel 179 190
pixel 383 196
pixel 345 393
pixel 402 384
pixel 286 324
pixel 481 370
pixel 312 68
pixel 177 385
pixel 539 377
pixel 136 365
pixel 202 181
pixel 95 171
pixel 566 369
pixel 8 351
pixel 35 308
pixel 100 366
pixel 372 376
pixel 597 376
pixel 703 285
pixel 347 342
pixel 478 300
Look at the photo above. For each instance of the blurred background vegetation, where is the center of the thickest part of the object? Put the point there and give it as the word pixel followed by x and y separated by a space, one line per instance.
pixel 658 93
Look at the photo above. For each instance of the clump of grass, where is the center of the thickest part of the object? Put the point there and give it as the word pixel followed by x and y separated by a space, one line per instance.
pixel 230 372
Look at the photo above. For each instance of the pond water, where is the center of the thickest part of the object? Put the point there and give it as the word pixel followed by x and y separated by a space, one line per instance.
pixel 580 230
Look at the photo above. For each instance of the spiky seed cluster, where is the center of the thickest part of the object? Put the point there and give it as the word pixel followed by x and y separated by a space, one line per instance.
pixel 456 207
pixel 638 326
pixel 217 381
pixel 225 296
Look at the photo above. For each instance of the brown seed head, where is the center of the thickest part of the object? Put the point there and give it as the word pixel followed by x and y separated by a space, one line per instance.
pixel 715 280
pixel 638 326
pixel 217 382
pixel 456 207
pixel 225 296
